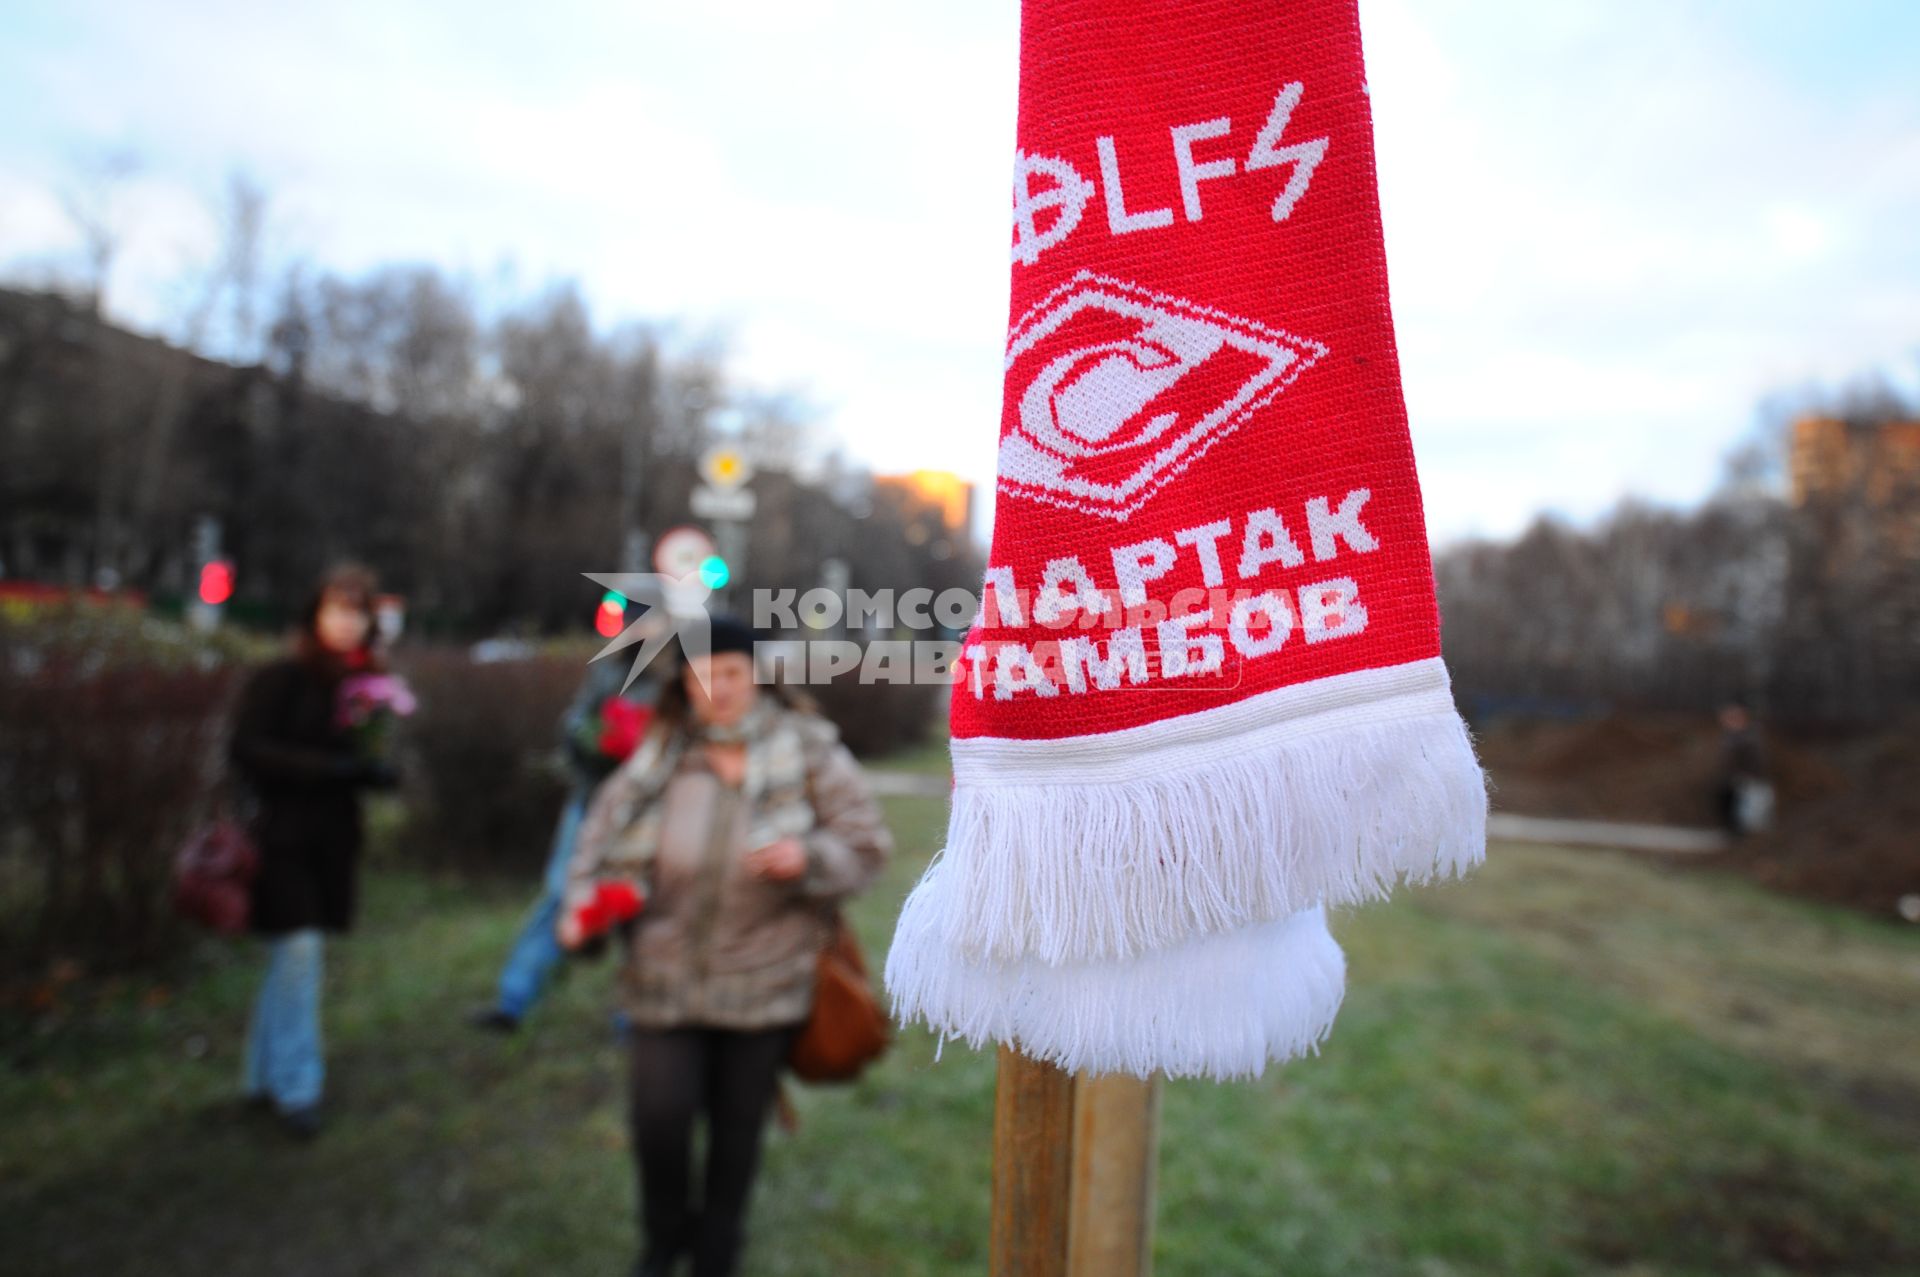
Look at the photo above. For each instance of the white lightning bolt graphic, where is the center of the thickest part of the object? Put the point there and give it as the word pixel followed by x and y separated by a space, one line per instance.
pixel 1268 153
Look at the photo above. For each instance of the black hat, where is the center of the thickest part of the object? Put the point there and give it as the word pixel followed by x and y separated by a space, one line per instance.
pixel 729 633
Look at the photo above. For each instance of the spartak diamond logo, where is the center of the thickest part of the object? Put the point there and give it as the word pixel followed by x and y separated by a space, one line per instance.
pixel 1120 389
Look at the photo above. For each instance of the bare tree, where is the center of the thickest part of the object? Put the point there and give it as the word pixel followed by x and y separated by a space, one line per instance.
pixel 134 542
pixel 1797 583
pixel 95 198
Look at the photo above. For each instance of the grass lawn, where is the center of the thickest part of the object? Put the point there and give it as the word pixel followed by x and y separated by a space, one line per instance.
pixel 1574 1063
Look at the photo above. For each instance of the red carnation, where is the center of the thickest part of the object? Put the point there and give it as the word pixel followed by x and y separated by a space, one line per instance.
pixel 613 903
pixel 621 901
pixel 622 723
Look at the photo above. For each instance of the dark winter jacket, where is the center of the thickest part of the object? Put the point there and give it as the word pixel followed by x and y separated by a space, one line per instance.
pixel 307 778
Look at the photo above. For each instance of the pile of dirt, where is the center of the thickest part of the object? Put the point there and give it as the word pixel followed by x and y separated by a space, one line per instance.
pixel 1850 834
pixel 1847 821
pixel 1651 768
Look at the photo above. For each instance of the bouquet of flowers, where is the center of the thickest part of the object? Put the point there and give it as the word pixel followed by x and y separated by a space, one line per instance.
pixel 622 723
pixel 615 902
pixel 368 706
pixel 602 741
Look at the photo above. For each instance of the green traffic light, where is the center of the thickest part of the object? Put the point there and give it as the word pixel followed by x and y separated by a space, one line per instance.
pixel 713 572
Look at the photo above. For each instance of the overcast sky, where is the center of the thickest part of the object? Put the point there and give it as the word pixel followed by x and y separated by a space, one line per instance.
pixel 1612 226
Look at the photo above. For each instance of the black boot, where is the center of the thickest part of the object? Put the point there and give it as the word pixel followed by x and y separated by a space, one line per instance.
pixel 661 1258
pixel 494 1020
pixel 655 1264
pixel 304 1124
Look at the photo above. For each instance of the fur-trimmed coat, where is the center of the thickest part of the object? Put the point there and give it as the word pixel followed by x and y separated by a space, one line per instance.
pixel 717 946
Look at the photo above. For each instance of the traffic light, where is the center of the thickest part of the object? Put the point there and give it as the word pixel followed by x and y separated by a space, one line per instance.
pixel 714 573
pixel 611 616
pixel 216 581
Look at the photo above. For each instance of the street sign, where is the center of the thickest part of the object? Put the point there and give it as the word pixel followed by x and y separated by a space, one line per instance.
pixel 722 503
pixel 389 616
pixel 725 466
pixel 680 551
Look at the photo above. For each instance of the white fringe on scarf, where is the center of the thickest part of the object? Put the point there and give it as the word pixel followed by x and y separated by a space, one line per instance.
pixel 1220 1006
pixel 1103 847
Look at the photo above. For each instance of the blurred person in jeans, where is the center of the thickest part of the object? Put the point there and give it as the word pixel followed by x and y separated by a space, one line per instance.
pixel 598 731
pixel 745 822
pixel 306 773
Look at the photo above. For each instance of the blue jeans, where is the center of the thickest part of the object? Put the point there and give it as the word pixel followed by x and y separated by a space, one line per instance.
pixel 284 1061
pixel 536 952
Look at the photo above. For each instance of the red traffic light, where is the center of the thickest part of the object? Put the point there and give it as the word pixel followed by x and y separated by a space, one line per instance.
pixel 216 582
pixel 611 616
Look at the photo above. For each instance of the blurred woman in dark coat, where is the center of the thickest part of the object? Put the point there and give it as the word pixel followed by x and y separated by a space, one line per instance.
pixel 292 752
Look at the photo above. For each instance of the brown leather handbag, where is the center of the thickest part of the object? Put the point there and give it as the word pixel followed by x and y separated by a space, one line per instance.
pixel 848 1030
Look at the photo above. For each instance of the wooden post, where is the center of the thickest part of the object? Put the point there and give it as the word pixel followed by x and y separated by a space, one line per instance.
pixel 1032 1168
pixel 1073 1172
pixel 1116 1134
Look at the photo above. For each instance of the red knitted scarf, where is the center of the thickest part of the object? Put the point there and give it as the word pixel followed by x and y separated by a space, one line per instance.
pixel 1204 696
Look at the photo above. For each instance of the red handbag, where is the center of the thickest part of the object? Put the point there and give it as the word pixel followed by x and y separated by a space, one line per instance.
pixel 213 875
